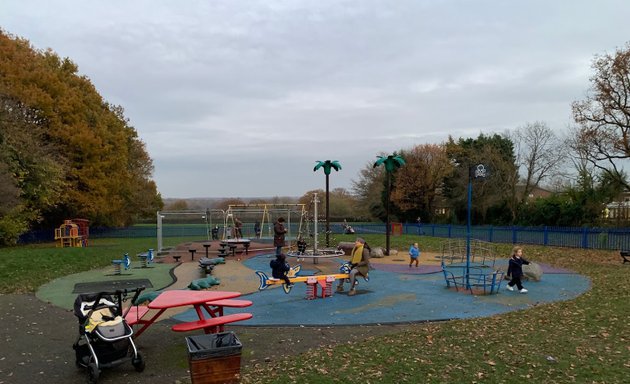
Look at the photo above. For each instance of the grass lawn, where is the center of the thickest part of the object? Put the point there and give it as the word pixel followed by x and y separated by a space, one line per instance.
pixel 25 268
pixel 585 340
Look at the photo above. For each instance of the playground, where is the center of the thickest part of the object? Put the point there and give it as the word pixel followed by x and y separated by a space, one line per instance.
pixel 312 312
pixel 395 296
pixel 395 292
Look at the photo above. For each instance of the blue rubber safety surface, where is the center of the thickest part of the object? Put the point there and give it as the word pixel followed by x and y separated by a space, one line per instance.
pixel 396 297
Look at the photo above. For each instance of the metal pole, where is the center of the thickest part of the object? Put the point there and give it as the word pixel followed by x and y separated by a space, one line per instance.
pixel 207 224
pixel 159 232
pixel 289 228
pixel 387 225
pixel 327 213
pixel 468 231
pixel 315 201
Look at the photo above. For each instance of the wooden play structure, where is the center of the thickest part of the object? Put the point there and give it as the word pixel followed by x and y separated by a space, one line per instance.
pixel 72 233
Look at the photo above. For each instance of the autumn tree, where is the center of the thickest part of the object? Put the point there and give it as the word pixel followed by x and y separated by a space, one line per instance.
pixel 30 169
pixel 419 183
pixel 342 203
pixel 368 189
pixel 93 163
pixel 603 116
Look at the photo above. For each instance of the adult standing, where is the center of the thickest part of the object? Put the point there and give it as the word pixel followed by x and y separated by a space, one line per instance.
pixel 238 228
pixel 279 232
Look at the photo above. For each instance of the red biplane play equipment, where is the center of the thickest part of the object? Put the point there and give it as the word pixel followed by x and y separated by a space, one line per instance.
pixel 73 233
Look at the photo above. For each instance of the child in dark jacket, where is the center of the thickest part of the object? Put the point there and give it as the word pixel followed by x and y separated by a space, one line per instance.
pixel 515 270
pixel 280 268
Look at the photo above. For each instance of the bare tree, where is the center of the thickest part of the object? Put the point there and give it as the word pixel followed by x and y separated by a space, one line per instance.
pixel 539 155
pixel 604 116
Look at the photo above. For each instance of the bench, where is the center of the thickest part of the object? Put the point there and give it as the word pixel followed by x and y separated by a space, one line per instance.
pixel 136 313
pixel 232 303
pixel 625 255
pixel 211 325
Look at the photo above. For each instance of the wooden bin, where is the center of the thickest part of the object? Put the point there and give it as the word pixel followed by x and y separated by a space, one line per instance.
pixel 214 358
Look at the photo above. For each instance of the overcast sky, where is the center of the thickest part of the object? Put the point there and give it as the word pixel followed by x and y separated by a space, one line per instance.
pixel 241 98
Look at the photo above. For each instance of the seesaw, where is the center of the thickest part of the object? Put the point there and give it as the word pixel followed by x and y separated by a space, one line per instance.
pixel 266 281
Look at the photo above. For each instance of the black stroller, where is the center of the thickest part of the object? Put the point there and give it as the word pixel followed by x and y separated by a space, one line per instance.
pixel 105 338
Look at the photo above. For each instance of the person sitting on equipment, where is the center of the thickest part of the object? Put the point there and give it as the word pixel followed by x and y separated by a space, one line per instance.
pixel 280 268
pixel 257 229
pixel 360 264
pixel 301 246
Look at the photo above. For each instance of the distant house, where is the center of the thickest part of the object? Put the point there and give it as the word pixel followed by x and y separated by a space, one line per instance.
pixel 534 193
pixel 619 209
pixel 441 206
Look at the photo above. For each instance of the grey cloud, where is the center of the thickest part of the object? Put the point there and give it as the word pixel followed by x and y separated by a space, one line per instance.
pixel 240 98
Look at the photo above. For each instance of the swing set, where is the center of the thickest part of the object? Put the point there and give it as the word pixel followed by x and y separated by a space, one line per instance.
pixel 258 219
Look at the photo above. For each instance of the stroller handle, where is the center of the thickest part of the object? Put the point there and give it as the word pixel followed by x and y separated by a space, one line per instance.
pixel 119 294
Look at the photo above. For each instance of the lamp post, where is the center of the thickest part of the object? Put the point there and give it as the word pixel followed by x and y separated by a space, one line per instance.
pixel 478 172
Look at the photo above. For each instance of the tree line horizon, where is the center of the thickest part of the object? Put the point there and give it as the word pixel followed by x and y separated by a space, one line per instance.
pixel 65 152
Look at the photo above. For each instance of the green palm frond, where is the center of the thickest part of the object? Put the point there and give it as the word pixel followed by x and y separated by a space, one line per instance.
pixel 391 162
pixel 328 165
pixel 318 165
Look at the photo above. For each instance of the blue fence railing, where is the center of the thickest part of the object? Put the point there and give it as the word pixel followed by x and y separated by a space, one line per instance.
pixel 590 238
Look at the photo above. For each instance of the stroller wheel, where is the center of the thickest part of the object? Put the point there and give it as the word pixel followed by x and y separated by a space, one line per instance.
pixel 93 373
pixel 138 362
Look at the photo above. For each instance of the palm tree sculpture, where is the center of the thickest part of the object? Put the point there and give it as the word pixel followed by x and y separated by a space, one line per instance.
pixel 328 165
pixel 392 162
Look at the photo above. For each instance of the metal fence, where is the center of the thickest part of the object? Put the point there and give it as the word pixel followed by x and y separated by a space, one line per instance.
pixel 592 238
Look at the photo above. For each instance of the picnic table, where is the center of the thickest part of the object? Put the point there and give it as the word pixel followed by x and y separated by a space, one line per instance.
pixel 212 302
